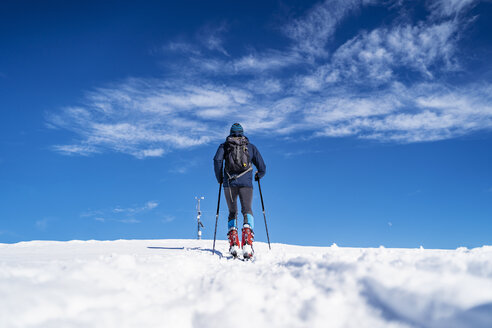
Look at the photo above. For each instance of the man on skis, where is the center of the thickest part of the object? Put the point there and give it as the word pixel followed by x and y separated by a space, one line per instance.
pixel 237 175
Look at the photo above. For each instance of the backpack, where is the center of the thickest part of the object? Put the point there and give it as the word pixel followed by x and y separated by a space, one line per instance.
pixel 236 154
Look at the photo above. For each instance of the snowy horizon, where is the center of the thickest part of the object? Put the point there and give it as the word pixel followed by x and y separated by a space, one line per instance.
pixel 179 283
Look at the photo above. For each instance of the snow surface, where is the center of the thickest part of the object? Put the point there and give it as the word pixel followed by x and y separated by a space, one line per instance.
pixel 180 283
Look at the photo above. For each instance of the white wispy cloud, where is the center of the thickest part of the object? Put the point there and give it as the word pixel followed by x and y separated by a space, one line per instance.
pixel 133 210
pixel 182 47
pixel 264 86
pixel 359 89
pixel 424 112
pixel 375 57
pixel 79 149
pixel 168 218
pixel 151 205
pixel 314 30
pixel 121 214
pixel 129 220
pixel 266 61
pixel 212 37
pixel 254 63
pixel 146 118
pixel 183 166
pixel 451 7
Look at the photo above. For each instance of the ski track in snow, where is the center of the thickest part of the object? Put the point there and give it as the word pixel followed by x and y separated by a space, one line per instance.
pixel 180 283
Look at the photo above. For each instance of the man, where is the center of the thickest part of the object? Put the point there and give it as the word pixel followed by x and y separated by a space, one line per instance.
pixel 237 176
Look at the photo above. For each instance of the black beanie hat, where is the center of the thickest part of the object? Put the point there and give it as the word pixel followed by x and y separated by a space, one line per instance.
pixel 236 129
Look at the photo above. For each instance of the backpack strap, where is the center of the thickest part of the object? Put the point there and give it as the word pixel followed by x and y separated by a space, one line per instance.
pixel 237 176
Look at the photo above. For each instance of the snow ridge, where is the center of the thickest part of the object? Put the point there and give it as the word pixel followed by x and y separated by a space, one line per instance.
pixel 180 283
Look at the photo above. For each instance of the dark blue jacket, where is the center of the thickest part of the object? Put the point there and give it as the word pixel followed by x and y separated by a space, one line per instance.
pixel 245 180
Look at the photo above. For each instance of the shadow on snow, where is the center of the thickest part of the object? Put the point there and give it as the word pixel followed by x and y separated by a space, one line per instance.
pixel 206 250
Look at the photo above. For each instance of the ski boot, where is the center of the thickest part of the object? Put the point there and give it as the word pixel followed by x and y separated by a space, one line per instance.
pixel 234 245
pixel 248 237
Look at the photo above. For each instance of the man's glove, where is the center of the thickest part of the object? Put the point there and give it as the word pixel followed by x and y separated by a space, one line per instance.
pixel 257 177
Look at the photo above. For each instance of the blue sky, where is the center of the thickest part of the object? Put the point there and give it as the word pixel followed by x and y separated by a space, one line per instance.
pixel 374 118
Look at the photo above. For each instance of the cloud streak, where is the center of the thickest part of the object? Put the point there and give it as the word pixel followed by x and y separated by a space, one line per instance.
pixel 150 205
pixel 120 214
pixel 376 57
pixel 446 8
pixel 391 84
pixel 312 32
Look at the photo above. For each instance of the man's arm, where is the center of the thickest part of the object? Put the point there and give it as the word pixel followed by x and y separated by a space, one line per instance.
pixel 218 160
pixel 258 162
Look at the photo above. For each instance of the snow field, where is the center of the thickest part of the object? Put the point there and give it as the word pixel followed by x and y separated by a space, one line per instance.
pixel 179 283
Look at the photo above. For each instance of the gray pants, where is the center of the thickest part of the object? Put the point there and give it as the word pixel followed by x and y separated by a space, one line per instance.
pixel 246 197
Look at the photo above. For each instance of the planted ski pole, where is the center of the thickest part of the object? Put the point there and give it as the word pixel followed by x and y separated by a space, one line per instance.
pixel 217 216
pixel 264 216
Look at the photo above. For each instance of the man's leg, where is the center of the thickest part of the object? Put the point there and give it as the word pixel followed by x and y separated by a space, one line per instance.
pixel 231 198
pixel 231 194
pixel 246 198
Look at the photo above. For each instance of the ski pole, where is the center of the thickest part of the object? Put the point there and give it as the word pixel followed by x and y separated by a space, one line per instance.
pixel 264 216
pixel 217 216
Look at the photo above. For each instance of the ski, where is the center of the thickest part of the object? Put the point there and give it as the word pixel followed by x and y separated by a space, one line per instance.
pixel 231 257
